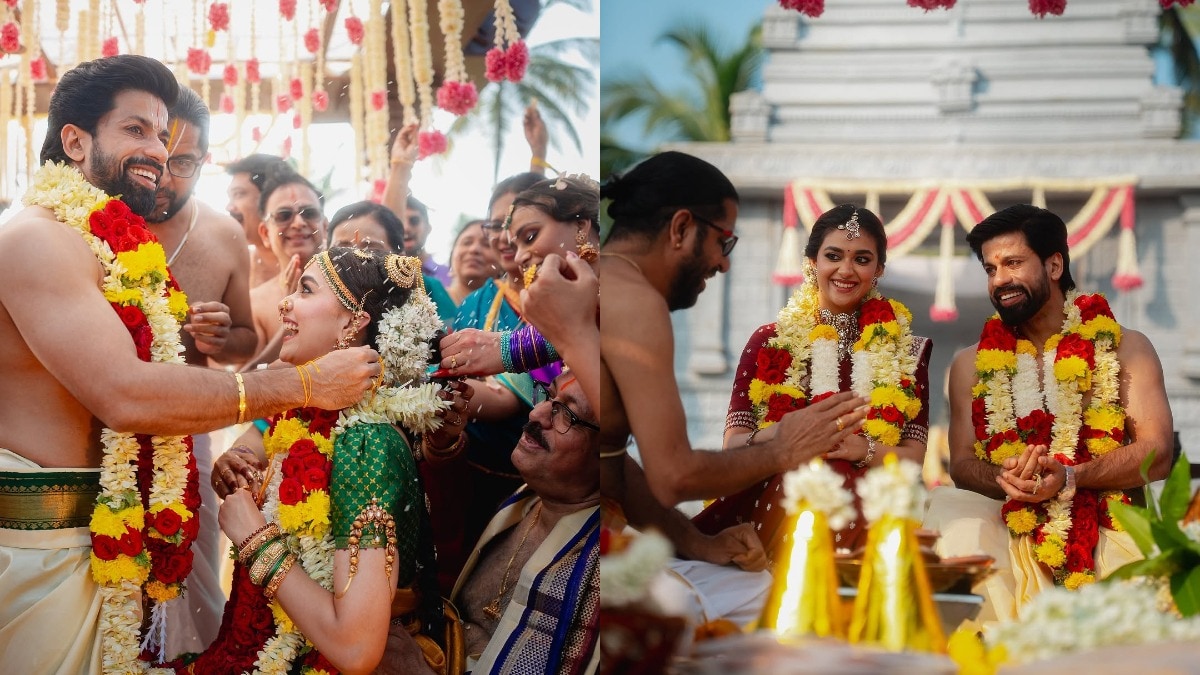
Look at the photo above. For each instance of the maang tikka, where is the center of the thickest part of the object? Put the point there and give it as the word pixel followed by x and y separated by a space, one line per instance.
pixel 851 226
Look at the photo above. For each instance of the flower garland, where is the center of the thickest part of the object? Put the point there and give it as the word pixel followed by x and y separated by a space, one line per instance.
pixel 1010 410
pixel 457 93
pixel 501 63
pixel 882 366
pixel 145 518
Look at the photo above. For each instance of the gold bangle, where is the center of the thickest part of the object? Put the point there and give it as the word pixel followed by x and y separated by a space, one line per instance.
pixel 241 398
pixel 266 560
pixel 750 438
pixel 256 539
pixel 446 452
pixel 272 586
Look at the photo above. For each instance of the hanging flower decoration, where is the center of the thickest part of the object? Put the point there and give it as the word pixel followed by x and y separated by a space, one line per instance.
pixel 297 121
pixel 1041 8
pixel 218 16
pixel 199 61
pixel 506 63
pixel 230 75
pixel 329 5
pixel 110 47
pixel 379 100
pixel 12 3
pixel 929 5
pixel 355 30
pixel 312 40
pixel 1010 411
pixel 283 103
pixel 252 74
pixel 37 68
pixel 320 100
pixel 1166 4
pixel 431 142
pixel 226 104
pixel 811 8
pixel 296 88
pixel 10 37
pixel 457 93
pixel 287 9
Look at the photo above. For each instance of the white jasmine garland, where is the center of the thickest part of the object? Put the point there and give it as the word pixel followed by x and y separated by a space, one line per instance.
pixel 892 489
pixel 625 576
pixel 403 340
pixel 1058 621
pixel 818 487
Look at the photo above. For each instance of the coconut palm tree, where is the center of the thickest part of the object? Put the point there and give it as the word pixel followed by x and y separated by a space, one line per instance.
pixel 701 111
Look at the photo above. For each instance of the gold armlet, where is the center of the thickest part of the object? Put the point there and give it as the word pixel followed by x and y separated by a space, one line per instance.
pixel 372 513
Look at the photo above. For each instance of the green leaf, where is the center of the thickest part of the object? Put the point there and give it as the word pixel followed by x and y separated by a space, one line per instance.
pixel 1168 535
pixel 1177 491
pixel 1185 588
pixel 1136 522
pixel 1162 565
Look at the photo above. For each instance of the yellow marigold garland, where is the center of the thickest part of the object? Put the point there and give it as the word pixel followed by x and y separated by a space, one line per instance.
pixel 1012 410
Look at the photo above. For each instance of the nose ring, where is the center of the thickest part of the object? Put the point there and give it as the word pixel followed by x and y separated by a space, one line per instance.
pixel 285 305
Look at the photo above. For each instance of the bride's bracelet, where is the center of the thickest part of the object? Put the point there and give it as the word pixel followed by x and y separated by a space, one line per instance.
pixel 251 544
pixel 866 460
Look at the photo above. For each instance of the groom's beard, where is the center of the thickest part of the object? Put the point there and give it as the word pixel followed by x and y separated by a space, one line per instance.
pixel 1034 299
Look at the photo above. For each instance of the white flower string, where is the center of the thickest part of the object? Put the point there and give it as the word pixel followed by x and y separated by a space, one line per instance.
pixel 816 486
pixel 892 489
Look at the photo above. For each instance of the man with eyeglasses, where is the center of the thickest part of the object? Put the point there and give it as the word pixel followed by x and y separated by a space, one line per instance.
pixel 206 253
pixel 673 218
pixel 294 229
pixel 529 593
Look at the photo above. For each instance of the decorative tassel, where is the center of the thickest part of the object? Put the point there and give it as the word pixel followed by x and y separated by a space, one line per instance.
pixel 789 266
pixel 804 596
pixel 155 640
pixel 944 309
pixel 1128 277
pixel 871 202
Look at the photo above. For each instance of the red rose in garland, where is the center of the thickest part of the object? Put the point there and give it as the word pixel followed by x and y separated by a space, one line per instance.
pixel 779 405
pixel 773 364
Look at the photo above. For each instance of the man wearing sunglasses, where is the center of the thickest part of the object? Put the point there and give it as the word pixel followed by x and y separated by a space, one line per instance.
pixel 206 252
pixel 294 228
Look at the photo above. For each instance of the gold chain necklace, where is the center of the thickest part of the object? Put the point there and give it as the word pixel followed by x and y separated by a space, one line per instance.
pixel 626 258
pixel 493 608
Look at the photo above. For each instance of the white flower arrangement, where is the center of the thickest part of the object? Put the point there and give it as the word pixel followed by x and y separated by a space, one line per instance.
pixel 892 489
pixel 818 487
pixel 403 341
pixel 1059 621
pixel 625 576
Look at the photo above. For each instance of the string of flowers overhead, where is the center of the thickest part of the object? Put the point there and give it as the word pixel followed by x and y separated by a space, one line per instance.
pixel 1039 8
pixel 506 63
pixel 457 93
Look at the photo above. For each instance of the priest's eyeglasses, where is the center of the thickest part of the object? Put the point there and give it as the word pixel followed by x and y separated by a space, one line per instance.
pixel 728 239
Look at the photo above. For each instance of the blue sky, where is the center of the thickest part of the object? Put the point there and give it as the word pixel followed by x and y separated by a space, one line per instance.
pixel 629 30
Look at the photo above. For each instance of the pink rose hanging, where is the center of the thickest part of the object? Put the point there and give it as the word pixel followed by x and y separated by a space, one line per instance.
pixel 230 75
pixel 431 143
pixel 218 16
pixel 10 37
pixel 812 8
pixel 199 61
pixel 312 40
pixel 929 5
pixel 516 61
pixel 252 75
pixel 354 29
pixel 320 100
pixel 226 104
pixel 1041 8
pixel 287 9
pixel 37 68
pixel 110 47
pixel 457 97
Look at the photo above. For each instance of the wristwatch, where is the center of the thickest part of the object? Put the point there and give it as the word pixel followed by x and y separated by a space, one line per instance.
pixel 1068 489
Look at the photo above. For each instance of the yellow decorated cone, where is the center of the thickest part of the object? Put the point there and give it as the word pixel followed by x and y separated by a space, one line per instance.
pixel 894 607
pixel 804 599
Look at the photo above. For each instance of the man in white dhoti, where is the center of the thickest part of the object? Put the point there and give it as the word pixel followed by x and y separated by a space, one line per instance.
pixel 1051 414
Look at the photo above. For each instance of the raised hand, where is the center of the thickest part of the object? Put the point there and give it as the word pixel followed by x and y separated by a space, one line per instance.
pixel 819 428
pixel 341 377
pixel 208 324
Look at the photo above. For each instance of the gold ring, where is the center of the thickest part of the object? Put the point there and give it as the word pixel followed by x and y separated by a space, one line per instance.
pixel 840 426
pixel 453 362
pixel 1037 484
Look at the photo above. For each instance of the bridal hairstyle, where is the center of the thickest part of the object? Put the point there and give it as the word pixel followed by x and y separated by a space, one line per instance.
pixel 838 215
pixel 644 198
pixel 1045 233
pixel 85 93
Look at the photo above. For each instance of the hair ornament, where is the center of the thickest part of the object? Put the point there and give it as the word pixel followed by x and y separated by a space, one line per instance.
pixel 405 271
pixel 851 226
